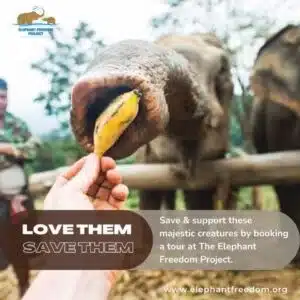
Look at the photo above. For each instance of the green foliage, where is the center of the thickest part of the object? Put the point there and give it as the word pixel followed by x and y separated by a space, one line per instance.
pixel 126 161
pixel 236 134
pixel 57 150
pixel 270 201
pixel 240 119
pixel 132 202
pixel 63 63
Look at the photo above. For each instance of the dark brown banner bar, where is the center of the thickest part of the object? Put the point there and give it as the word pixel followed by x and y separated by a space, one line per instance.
pixel 79 239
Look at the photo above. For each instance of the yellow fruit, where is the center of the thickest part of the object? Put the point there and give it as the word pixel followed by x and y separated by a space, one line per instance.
pixel 114 120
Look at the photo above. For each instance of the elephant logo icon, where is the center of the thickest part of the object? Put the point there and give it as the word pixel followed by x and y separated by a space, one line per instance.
pixel 28 17
pixel 35 22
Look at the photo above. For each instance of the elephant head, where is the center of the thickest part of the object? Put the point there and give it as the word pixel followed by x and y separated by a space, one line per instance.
pixel 177 84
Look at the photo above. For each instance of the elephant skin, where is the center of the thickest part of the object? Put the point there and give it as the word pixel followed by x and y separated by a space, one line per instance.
pixel 187 89
pixel 205 54
pixel 275 82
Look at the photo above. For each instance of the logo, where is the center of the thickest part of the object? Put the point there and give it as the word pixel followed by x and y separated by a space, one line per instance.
pixel 35 22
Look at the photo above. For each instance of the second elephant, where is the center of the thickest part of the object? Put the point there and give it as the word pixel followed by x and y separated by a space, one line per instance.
pixel 276 112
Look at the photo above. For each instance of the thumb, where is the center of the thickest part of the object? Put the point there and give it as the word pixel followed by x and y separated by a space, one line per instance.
pixel 87 175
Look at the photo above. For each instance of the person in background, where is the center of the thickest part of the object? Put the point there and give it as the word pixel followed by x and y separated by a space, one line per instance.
pixel 90 177
pixel 17 146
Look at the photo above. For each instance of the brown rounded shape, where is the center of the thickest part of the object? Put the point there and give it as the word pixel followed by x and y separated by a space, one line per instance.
pixel 92 93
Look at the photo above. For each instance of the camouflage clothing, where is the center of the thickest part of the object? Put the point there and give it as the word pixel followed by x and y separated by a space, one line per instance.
pixel 16 133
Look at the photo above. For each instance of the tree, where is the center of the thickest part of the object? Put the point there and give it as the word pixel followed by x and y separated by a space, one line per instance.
pixel 242 26
pixel 65 60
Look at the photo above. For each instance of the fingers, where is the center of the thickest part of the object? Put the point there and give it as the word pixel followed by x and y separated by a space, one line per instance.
pixel 74 169
pixel 113 177
pixel 118 196
pixel 111 199
pixel 93 171
pixel 101 188
pixel 97 178
pixel 63 178
pixel 107 163
pixel 87 174
pixel 103 191
pixel 110 191
pixel 103 205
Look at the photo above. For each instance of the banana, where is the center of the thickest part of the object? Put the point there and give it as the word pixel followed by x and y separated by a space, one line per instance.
pixel 110 125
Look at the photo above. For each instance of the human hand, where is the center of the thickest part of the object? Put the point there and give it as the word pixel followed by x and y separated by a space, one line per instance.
pixel 8 149
pixel 89 178
pixel 17 203
pixel 90 183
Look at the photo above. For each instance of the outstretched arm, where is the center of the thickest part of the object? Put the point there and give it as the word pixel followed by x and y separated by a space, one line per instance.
pixel 71 192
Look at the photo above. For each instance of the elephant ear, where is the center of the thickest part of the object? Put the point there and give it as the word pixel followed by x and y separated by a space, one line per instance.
pixel 209 63
pixel 223 79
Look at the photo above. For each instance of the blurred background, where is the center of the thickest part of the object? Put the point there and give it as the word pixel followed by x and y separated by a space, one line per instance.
pixel 40 70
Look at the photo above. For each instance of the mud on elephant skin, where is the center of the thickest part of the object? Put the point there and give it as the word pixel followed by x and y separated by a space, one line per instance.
pixel 186 86
pixel 276 115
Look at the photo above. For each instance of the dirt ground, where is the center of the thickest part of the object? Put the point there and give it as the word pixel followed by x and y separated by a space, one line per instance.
pixel 143 285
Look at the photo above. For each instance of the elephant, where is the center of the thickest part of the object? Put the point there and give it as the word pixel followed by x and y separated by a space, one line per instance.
pixel 162 149
pixel 49 20
pixel 275 82
pixel 28 17
pixel 169 149
pixel 186 88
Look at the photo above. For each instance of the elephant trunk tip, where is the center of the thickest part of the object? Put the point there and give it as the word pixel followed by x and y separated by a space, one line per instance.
pixel 91 95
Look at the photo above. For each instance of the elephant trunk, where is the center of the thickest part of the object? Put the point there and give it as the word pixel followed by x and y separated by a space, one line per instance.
pixel 170 89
